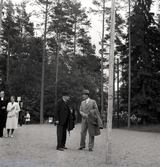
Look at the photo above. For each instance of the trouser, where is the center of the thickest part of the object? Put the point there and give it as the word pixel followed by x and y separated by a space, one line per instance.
pixel 20 121
pixel 84 128
pixel 1 131
pixel 104 124
pixel 61 135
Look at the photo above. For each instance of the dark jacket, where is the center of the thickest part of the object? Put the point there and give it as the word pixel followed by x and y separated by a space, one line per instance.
pixel 3 113
pixel 62 114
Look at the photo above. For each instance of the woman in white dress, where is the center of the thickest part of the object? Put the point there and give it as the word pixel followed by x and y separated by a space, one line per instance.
pixel 12 116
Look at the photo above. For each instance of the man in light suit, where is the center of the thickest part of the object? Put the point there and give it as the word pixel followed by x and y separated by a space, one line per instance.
pixel 87 105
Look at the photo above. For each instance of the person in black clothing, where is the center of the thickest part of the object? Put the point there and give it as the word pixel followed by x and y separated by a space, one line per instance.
pixel 21 115
pixel 3 113
pixel 63 120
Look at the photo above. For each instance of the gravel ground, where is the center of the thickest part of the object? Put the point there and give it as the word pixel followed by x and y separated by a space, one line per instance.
pixel 35 146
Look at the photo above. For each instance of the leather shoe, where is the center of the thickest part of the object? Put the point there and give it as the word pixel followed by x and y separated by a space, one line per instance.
pixel 64 147
pixel 80 148
pixel 90 149
pixel 60 149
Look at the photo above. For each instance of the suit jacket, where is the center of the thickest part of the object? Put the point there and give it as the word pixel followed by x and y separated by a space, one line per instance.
pixel 91 109
pixel 3 113
pixel 62 112
pixel 85 108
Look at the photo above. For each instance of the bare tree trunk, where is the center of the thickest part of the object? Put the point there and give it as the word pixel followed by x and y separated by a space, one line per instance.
pixel 117 93
pixel 8 54
pixel 129 74
pixel 43 66
pixel 75 27
pixel 1 6
pixel 57 65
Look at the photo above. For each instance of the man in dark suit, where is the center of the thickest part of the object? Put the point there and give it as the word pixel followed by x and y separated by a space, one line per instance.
pixel 3 113
pixel 21 114
pixel 63 120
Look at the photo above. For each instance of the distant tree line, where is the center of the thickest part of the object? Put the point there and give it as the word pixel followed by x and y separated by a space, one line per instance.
pixel 67 38
pixel 71 58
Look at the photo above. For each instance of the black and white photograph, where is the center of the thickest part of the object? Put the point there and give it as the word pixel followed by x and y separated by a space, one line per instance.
pixel 79 83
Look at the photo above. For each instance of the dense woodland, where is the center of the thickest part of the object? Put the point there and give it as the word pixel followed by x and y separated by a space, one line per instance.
pixel 70 60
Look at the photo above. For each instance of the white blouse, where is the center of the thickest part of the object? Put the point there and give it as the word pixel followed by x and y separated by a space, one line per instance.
pixel 13 109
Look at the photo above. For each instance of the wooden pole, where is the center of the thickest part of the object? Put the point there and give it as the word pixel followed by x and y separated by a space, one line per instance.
pixel 129 73
pixel 110 89
pixel 102 44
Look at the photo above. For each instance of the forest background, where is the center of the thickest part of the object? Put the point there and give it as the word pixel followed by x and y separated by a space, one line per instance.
pixel 71 60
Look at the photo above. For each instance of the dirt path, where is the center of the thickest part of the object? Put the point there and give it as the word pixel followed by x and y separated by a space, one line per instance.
pixel 35 146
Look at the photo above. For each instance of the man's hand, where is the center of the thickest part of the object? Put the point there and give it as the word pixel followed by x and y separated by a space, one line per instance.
pixel 85 115
pixel 13 108
pixel 57 122
pixel 3 107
